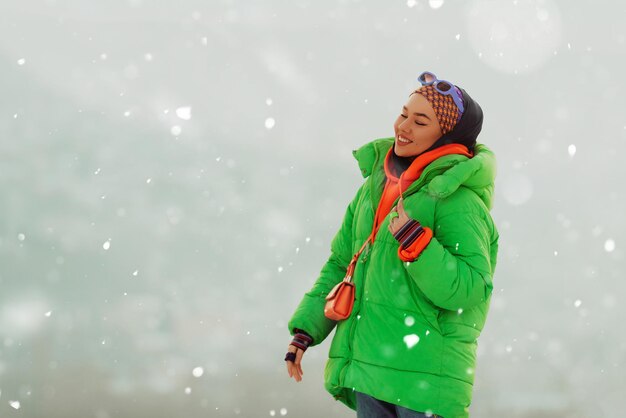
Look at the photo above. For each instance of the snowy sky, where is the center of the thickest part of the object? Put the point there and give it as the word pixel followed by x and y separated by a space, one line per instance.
pixel 172 173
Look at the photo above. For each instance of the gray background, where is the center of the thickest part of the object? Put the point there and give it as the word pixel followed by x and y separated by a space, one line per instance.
pixel 140 241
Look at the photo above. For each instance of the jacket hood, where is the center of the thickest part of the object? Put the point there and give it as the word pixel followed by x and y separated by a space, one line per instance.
pixel 477 173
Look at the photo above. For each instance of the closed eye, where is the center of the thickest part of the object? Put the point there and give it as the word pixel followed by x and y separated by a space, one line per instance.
pixel 417 123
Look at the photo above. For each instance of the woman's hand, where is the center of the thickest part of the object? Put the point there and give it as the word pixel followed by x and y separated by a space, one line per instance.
pixel 295 368
pixel 396 222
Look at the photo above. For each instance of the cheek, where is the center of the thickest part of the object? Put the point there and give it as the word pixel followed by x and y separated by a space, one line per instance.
pixel 434 132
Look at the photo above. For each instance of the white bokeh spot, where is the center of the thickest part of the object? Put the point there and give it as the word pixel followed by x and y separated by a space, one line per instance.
pixel 514 37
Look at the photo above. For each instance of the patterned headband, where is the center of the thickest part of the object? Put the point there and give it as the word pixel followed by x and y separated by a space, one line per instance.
pixel 445 109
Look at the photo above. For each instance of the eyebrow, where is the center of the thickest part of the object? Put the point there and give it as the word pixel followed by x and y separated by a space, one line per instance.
pixel 417 114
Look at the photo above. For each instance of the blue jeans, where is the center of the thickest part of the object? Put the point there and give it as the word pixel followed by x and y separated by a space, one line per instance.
pixel 369 407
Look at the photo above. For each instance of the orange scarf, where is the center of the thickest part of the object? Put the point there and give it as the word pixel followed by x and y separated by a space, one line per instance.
pixel 395 186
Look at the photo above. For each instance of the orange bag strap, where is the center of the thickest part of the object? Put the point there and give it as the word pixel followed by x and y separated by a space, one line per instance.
pixel 352 264
pixel 428 157
pixel 369 239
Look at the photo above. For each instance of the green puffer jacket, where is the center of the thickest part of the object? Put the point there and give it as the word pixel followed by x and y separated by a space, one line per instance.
pixel 412 336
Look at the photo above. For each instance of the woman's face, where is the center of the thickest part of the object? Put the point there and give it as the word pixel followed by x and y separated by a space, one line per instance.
pixel 418 123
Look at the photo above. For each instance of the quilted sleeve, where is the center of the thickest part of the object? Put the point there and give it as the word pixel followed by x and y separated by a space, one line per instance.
pixel 309 315
pixel 454 271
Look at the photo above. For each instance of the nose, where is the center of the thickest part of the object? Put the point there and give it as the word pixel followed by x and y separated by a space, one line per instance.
pixel 402 127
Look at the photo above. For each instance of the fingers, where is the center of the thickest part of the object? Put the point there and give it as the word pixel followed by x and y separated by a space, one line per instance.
pixel 295 368
pixel 294 371
pixel 402 215
pixel 391 221
pixel 289 364
pixel 401 207
pixel 299 355
pixel 395 223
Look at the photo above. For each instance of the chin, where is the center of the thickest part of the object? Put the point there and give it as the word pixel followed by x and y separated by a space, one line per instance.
pixel 403 152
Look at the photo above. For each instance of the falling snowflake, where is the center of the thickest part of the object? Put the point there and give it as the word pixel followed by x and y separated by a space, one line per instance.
pixel 176 130
pixel 571 150
pixel 184 112
pixel 410 340
pixel 435 4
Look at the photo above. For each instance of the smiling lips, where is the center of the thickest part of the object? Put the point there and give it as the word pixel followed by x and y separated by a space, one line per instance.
pixel 403 141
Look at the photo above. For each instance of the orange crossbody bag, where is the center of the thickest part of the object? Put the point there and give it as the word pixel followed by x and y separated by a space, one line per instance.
pixel 340 299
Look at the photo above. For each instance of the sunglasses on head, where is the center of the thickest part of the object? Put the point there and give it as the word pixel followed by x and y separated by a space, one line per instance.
pixel 444 87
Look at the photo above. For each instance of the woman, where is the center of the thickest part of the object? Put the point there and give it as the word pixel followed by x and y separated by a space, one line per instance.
pixel 424 281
